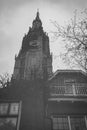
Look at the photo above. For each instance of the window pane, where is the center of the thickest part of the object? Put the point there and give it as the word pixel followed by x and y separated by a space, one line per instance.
pixel 14 108
pixel 78 123
pixel 3 108
pixel 60 123
pixel 8 123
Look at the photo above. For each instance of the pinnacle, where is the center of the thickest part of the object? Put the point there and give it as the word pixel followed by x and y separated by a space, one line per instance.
pixel 37 15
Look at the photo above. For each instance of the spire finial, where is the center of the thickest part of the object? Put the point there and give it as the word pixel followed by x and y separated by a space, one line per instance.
pixel 37 22
pixel 37 16
pixel 38 10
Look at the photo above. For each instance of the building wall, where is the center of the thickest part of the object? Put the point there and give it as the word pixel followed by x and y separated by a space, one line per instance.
pixel 32 97
pixel 61 104
pixel 33 62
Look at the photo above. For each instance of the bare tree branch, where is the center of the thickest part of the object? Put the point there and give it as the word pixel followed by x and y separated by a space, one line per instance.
pixel 4 80
pixel 75 36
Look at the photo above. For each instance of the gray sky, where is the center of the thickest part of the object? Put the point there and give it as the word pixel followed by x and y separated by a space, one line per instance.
pixel 17 15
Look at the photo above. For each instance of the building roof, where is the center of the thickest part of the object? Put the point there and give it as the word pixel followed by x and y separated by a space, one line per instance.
pixel 67 71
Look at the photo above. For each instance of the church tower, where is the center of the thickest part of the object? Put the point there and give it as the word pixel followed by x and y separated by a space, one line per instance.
pixel 34 60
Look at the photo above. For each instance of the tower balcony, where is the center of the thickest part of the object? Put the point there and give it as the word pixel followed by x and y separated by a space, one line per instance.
pixel 76 89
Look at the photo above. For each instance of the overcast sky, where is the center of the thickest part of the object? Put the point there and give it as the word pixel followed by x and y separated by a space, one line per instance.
pixel 17 15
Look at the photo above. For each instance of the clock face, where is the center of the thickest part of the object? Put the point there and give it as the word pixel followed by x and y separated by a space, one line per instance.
pixel 34 43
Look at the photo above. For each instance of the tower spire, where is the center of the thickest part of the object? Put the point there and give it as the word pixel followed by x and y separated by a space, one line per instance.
pixel 37 15
pixel 37 9
pixel 37 22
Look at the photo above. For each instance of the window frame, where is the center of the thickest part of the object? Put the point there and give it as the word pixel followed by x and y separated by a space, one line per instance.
pixel 9 116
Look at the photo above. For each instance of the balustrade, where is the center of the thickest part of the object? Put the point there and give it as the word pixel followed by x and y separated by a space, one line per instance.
pixel 77 89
